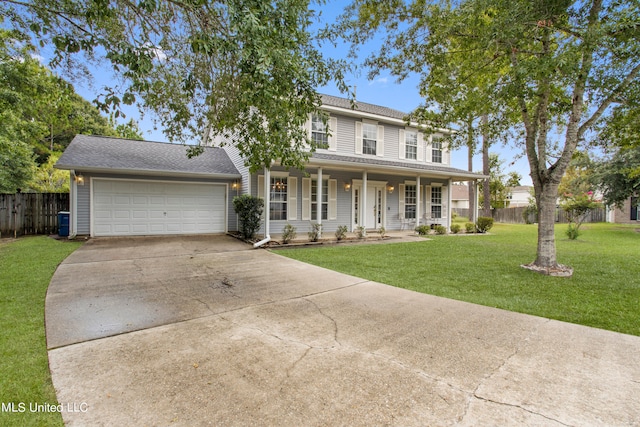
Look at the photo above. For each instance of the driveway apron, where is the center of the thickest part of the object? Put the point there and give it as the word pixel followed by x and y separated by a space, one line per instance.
pixel 188 331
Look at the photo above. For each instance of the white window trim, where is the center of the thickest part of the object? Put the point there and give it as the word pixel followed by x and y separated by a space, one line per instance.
pixel 332 210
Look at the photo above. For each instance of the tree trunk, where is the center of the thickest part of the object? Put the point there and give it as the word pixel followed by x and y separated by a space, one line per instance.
pixel 472 193
pixel 546 254
pixel 486 190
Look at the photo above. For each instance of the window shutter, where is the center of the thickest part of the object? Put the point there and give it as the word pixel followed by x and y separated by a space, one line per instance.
pixel 401 199
pixel 261 186
pixel 427 201
pixel 427 148
pixel 445 154
pixel 292 198
pixel 306 199
pixel 634 209
pixel 358 137
pixel 420 147
pixel 333 199
pixel 402 153
pixel 445 202
pixel 333 129
pixel 380 142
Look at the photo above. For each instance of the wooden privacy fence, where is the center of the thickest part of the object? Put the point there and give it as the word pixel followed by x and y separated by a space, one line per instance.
pixel 31 213
pixel 515 215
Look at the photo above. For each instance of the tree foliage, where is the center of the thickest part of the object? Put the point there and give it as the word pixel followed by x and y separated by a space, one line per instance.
pixel 499 183
pixel 40 114
pixel 561 67
pixel 618 177
pixel 244 69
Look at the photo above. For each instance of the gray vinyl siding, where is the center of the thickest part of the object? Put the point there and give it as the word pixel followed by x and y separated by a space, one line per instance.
pixel 84 207
pixel 237 160
pixel 84 196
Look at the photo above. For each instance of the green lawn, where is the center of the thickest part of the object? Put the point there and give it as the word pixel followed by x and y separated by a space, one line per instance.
pixel 26 267
pixel 604 291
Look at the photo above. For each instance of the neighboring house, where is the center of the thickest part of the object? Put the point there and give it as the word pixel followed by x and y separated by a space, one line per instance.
pixel 519 196
pixel 629 214
pixel 375 172
pixel 460 196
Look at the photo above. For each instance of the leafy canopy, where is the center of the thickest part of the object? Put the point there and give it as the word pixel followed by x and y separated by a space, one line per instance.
pixel 244 69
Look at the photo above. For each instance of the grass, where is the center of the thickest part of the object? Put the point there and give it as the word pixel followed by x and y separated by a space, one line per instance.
pixel 604 291
pixel 26 267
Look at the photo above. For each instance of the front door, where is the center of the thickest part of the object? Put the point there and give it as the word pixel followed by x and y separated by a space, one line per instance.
pixel 375 206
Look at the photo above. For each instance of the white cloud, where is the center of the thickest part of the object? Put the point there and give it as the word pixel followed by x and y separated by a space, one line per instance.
pixel 380 80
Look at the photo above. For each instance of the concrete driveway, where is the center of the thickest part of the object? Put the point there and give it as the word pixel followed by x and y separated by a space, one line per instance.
pixel 189 331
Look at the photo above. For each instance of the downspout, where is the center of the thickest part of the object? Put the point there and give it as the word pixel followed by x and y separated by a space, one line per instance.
pixel 267 203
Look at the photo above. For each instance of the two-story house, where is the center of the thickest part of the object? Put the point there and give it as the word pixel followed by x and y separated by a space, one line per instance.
pixel 374 172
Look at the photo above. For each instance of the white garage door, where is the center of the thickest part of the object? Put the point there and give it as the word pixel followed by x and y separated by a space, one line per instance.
pixel 126 208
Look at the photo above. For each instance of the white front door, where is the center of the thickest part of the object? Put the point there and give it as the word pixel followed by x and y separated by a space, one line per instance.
pixel 374 212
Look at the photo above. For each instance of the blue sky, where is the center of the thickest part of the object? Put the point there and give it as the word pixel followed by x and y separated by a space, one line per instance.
pixel 384 90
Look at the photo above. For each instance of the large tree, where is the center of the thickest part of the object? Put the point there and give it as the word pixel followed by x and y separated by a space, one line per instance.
pixel 245 69
pixel 40 113
pixel 562 67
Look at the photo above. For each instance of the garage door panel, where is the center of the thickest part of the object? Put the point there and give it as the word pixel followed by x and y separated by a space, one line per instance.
pixel 142 208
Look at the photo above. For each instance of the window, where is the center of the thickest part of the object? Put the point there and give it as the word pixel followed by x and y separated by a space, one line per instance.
pixel 436 202
pixel 411 145
pixel 369 138
pixel 324 203
pixel 278 199
pixel 319 131
pixel 436 150
pixel 410 201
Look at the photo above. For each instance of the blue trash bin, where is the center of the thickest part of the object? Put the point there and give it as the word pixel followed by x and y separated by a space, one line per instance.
pixel 63 224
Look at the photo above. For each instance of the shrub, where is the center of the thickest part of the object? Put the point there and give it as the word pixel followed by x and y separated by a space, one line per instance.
pixel 573 231
pixel 484 224
pixel 341 232
pixel 455 228
pixel 440 229
pixel 470 227
pixel 288 233
pixel 423 230
pixel 249 210
pixel 382 232
pixel 314 234
pixel 360 232
pixel 577 208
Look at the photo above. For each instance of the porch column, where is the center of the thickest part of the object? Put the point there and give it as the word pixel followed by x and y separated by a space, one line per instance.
pixel 363 197
pixel 319 200
pixel 267 201
pixel 418 210
pixel 450 190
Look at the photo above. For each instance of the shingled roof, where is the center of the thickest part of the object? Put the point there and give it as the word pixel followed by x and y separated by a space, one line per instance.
pixel 106 154
pixel 363 107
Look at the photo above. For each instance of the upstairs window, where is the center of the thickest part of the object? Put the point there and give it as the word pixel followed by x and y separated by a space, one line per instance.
pixel 411 145
pixel 319 132
pixel 369 138
pixel 436 150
